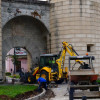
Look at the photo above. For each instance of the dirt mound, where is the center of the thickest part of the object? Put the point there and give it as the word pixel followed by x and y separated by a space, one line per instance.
pixel 4 97
pixel 26 95
pixel 49 94
pixel 21 96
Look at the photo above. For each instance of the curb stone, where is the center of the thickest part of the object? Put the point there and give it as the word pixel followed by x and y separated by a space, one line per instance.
pixel 38 96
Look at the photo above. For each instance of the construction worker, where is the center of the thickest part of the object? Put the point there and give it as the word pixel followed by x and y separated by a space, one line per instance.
pixel 42 83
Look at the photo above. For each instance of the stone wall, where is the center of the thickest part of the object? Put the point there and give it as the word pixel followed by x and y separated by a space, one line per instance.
pixel 1 71
pixel 76 22
pixel 11 10
pixel 25 32
pixel 73 21
pixel 21 28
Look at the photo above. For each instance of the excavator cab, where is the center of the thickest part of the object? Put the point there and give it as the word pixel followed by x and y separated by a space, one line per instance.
pixel 47 66
pixel 48 60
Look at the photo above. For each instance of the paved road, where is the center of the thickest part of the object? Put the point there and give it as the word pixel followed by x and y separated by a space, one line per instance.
pixel 60 91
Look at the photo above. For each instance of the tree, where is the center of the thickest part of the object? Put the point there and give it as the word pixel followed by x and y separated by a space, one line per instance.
pixel 15 61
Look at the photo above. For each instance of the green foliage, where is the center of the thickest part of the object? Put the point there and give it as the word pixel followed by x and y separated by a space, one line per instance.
pixel 15 76
pixel 8 73
pixel 14 90
pixel 15 59
pixel 98 81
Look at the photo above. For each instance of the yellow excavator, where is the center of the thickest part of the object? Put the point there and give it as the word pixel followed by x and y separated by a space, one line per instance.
pixel 51 66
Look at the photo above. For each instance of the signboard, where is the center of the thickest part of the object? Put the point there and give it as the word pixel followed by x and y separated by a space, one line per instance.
pixel 20 52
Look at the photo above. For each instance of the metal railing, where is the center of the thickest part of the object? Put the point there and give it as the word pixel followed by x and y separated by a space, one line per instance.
pixel 28 1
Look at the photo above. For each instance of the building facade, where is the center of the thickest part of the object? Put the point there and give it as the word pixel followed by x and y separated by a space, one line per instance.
pixel 77 22
pixel 25 24
pixel 74 21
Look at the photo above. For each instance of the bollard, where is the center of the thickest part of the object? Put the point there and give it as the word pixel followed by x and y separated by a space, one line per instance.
pixel 84 98
pixel 13 80
pixel 71 92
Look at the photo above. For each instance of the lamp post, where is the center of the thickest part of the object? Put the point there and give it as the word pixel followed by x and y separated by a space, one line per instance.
pixel 14 60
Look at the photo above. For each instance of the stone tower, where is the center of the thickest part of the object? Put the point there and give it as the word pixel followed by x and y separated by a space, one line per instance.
pixel 77 22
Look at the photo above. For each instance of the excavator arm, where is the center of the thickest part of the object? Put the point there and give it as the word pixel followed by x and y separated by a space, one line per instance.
pixel 66 48
pixel 69 48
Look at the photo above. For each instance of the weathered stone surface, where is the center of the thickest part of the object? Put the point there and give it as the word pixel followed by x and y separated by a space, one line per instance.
pixel 74 21
pixel 25 32
pixel 1 71
pixel 77 22
pixel 21 29
pixel 9 11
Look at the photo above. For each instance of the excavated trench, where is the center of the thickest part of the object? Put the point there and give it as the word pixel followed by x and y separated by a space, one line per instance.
pixel 49 94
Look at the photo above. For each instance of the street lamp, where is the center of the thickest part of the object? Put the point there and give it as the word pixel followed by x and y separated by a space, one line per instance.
pixel 14 61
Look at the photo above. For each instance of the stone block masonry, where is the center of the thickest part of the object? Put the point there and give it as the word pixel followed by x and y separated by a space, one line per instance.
pixel 1 71
pixel 77 22
pixel 24 25
pixel 74 21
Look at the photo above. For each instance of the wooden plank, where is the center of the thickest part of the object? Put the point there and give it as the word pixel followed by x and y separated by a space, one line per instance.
pixel 88 94
pixel 84 86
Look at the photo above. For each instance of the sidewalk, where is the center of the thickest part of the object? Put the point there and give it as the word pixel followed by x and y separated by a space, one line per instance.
pixel 61 91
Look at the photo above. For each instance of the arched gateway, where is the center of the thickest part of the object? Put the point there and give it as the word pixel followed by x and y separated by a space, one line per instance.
pixel 25 32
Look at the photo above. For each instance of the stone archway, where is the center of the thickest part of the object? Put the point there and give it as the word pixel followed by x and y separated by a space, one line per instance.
pixel 26 32
pixel 23 58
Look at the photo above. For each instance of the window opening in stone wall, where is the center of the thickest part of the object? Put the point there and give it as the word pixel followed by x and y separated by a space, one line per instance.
pixel 90 47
